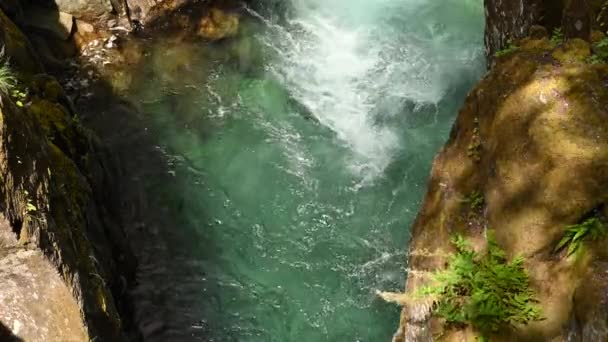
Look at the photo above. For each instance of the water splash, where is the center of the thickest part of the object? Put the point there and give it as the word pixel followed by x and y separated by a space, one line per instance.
pixel 359 65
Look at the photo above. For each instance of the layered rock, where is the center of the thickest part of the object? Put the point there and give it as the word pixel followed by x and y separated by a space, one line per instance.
pixel 56 191
pixel 509 20
pixel 532 137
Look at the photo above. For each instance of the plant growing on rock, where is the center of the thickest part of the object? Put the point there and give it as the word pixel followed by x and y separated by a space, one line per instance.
pixel 557 37
pixel 574 237
pixel 474 148
pixel 8 80
pixel 600 52
pixel 485 290
pixel 475 200
pixel 511 47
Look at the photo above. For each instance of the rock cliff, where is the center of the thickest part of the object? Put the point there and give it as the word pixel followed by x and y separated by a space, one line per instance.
pixel 531 142
pixel 56 190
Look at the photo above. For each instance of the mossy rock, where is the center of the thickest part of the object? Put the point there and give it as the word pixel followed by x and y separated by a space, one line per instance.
pixel 543 166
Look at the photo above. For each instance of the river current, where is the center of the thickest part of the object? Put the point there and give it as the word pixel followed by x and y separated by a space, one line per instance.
pixel 296 157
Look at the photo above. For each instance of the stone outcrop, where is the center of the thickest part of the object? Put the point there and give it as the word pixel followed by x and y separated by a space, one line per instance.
pixel 218 24
pixel 532 138
pixel 509 20
pixel 56 191
pixel 35 304
pixel 85 9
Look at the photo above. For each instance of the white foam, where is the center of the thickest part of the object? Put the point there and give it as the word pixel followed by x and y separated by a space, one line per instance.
pixel 338 60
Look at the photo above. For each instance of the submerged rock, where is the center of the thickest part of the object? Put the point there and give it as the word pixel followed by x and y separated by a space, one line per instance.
pixel 218 25
pixel 540 120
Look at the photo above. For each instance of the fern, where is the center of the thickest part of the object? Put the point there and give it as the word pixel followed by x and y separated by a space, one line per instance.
pixel 8 80
pixel 577 234
pixel 475 200
pixel 485 291
pixel 600 52
pixel 557 37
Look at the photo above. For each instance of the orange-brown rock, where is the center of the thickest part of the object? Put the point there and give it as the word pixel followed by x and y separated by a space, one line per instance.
pixel 542 121
pixel 219 24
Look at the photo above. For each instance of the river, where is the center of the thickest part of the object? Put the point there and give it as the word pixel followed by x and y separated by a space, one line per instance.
pixel 296 157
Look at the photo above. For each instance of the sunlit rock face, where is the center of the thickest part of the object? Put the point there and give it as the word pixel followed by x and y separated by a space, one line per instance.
pixel 35 304
pixel 540 120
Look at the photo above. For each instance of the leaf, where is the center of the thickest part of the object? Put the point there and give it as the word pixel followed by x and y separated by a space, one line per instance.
pixel 580 234
pixel 19 104
pixel 573 247
pixel 30 208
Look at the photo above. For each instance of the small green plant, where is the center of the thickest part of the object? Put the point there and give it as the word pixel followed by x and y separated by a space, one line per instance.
pixel 574 237
pixel 474 148
pixel 600 52
pixel 29 206
pixel 507 50
pixel 485 290
pixel 475 200
pixel 19 96
pixel 557 37
pixel 8 80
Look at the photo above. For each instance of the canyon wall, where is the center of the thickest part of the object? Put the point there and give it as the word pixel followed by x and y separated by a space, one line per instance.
pixel 530 141
pixel 57 189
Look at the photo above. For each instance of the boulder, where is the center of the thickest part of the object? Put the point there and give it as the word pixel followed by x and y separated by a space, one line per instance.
pixel 146 11
pixel 218 24
pixel 50 22
pixel 85 9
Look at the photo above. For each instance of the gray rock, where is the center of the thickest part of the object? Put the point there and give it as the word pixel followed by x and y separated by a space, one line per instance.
pixel 85 9
pixel 51 22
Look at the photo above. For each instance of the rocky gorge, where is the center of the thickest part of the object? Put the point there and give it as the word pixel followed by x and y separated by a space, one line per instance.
pixel 528 144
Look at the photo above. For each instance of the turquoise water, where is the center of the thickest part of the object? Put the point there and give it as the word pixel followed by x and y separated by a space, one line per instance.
pixel 296 158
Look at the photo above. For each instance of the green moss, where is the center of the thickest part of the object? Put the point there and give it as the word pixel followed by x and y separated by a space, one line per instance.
pixel 53 117
pixel 572 52
pixel 511 47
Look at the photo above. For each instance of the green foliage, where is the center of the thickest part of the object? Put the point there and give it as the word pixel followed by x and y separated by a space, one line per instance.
pixel 29 206
pixel 507 50
pixel 19 96
pixel 485 291
pixel 575 235
pixel 474 148
pixel 8 80
pixel 557 37
pixel 600 52
pixel 475 200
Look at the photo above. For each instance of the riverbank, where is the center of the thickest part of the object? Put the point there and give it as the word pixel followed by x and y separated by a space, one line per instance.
pixel 525 160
